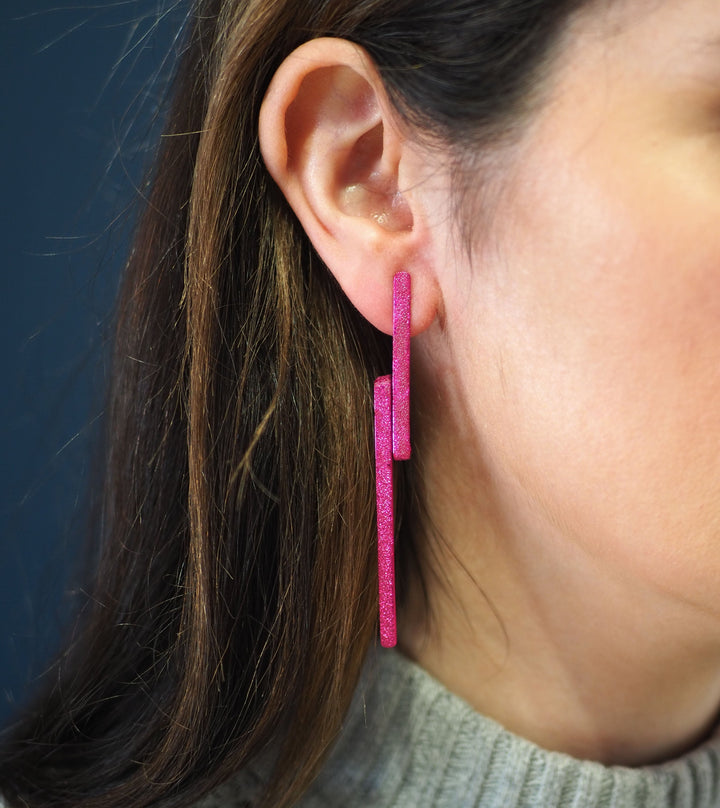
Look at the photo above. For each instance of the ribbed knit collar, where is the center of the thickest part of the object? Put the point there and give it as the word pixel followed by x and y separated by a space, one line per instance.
pixel 409 743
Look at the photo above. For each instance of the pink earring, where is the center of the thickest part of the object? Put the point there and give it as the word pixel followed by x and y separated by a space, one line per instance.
pixel 392 441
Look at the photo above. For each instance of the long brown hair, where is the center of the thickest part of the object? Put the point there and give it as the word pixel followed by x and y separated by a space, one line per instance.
pixel 235 597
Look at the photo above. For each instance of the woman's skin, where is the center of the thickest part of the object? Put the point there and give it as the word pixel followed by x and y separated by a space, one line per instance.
pixel 566 370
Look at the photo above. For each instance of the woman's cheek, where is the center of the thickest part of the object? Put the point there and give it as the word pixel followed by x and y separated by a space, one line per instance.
pixel 604 406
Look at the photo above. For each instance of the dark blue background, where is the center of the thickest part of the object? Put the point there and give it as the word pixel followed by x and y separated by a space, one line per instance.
pixel 80 91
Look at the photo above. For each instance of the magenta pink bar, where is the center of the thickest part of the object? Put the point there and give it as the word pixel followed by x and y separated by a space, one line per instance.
pixel 385 517
pixel 401 367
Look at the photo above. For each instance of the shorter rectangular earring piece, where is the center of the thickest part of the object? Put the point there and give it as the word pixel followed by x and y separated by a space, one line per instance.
pixel 401 366
pixel 385 517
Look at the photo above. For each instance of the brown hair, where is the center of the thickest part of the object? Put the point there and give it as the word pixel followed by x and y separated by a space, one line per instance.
pixel 235 595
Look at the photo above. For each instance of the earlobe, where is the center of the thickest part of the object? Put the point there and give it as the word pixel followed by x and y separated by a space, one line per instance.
pixel 333 144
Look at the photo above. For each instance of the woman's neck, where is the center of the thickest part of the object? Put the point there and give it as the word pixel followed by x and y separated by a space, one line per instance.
pixel 560 646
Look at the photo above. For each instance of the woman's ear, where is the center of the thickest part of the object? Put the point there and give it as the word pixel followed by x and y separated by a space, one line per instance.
pixel 333 143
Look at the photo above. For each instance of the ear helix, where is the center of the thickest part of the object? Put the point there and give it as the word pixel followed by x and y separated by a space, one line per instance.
pixel 392 441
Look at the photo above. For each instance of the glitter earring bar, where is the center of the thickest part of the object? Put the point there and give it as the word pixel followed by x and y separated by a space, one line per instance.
pixel 401 366
pixel 385 517
pixel 392 441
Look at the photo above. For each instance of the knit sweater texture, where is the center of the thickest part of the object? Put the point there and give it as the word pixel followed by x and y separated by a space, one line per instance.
pixel 407 742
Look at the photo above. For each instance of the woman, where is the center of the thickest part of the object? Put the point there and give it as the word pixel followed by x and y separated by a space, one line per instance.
pixel 548 173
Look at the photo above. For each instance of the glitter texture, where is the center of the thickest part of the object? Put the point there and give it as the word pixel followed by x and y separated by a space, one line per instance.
pixel 385 518
pixel 401 366
pixel 392 440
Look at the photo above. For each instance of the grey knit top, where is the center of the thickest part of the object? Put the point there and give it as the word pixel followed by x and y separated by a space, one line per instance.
pixel 409 743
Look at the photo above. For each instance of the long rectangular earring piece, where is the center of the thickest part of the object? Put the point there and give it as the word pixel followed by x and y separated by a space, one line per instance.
pixel 392 441
pixel 401 366
pixel 385 516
